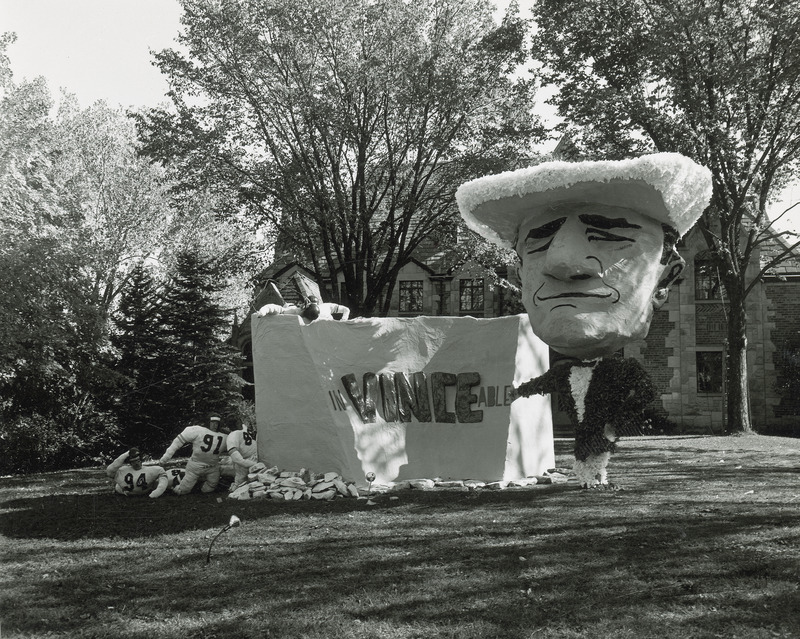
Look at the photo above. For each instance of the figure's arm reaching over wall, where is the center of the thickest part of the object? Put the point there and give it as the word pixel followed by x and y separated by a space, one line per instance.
pixel 270 309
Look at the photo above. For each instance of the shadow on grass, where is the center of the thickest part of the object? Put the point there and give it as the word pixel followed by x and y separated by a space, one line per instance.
pixel 82 516
pixel 104 515
pixel 498 566
pixel 695 545
pixel 82 505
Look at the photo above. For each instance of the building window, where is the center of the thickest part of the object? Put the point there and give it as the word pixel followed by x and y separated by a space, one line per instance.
pixel 470 296
pixel 411 296
pixel 710 367
pixel 707 285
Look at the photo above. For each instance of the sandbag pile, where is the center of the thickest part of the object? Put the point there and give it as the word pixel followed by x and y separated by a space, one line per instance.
pixel 290 485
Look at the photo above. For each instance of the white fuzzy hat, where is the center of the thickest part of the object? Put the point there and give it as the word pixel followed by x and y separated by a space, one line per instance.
pixel 667 187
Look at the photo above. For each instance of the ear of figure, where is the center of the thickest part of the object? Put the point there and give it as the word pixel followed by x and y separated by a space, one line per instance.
pixel 672 271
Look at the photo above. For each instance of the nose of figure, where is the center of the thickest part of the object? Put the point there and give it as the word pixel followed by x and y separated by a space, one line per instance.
pixel 568 258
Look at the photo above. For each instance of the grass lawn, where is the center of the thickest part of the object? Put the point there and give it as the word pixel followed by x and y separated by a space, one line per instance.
pixel 702 540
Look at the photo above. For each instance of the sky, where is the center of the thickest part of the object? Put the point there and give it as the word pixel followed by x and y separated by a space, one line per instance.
pixel 95 49
pixel 101 50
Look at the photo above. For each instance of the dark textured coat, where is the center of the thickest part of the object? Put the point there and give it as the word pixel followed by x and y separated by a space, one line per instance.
pixel 618 393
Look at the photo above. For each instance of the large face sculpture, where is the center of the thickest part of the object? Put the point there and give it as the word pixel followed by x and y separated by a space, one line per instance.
pixel 592 275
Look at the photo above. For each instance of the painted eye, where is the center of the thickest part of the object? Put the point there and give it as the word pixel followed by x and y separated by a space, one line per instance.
pixel 596 235
pixel 537 245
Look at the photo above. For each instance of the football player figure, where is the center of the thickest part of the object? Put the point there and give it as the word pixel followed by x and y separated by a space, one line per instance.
pixel 131 478
pixel 310 309
pixel 207 446
pixel 174 477
pixel 244 453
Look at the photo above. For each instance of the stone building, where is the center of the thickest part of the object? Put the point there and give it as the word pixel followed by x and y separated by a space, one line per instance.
pixel 684 351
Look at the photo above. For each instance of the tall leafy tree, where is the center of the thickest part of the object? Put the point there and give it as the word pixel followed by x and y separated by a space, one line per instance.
pixel 716 80
pixel 344 124
pixel 117 201
pixel 53 355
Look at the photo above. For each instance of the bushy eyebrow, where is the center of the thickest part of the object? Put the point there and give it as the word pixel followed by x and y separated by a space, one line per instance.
pixel 546 230
pixel 606 223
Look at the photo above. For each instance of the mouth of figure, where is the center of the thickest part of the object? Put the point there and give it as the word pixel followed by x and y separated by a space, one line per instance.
pixel 574 295
pixel 562 295
pixel 569 296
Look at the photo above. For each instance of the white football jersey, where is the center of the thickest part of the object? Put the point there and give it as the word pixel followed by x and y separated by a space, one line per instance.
pixel 138 482
pixel 174 475
pixel 207 445
pixel 244 443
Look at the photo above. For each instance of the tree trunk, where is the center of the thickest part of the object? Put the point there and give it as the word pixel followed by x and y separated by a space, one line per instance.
pixel 738 394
